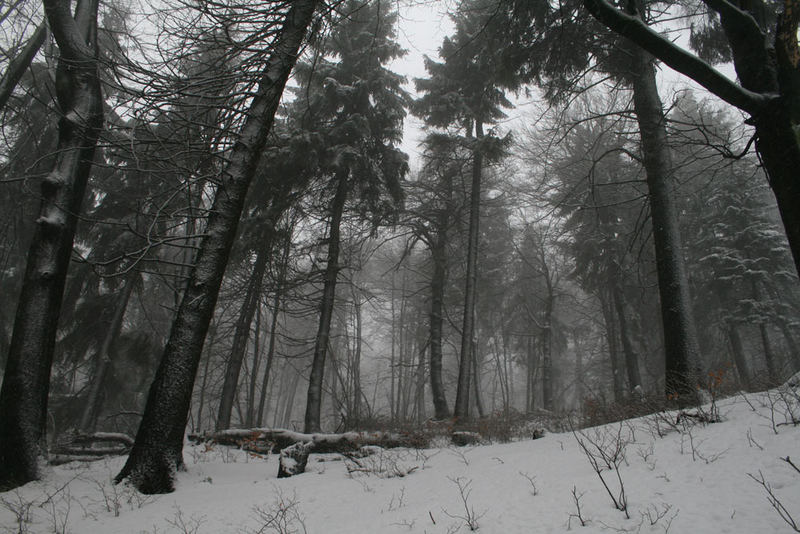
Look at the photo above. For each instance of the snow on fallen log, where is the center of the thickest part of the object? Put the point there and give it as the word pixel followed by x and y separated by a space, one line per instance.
pixel 293 459
pixel 263 440
pixel 90 447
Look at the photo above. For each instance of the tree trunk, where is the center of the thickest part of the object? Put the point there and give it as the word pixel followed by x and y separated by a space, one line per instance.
pixel 290 395
pixel 778 147
pixel 438 280
pixel 401 351
pixel 104 358
pixel 578 376
pixel 739 357
pixel 613 353
pixel 158 450
pixel 530 384
pixel 356 393
pixel 201 402
pixel 680 339
pixel 794 351
pixel 769 355
pixel 26 382
pixel 241 335
pixel 419 394
pixel 547 357
pixel 631 360
pixel 263 404
pixel 461 409
pixel 768 73
pixel 477 379
pixel 314 398
pixel 392 360
pixel 250 412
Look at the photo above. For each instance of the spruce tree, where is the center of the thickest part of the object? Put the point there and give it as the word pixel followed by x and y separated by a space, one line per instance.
pixel 354 106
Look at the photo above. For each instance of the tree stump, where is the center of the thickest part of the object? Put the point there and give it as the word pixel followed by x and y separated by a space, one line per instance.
pixel 293 459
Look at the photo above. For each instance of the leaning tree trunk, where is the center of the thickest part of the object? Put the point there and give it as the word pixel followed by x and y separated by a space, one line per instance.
pixel 314 399
pixel 680 339
pixel 461 409
pixel 23 398
pixel 158 450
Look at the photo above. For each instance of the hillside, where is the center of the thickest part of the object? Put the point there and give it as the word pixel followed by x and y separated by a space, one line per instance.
pixel 677 477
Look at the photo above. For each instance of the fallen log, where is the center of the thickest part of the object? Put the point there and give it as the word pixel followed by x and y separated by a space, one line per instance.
pixel 262 440
pixel 90 447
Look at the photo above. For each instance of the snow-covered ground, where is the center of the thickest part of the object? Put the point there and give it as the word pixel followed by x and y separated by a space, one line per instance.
pixel 687 478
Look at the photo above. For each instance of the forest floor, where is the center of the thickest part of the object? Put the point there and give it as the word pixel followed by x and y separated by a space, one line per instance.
pixel 666 474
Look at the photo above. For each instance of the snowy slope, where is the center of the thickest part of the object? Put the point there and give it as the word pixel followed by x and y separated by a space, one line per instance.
pixel 694 479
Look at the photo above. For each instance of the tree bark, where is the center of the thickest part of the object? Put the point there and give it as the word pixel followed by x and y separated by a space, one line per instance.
pixel 680 339
pixel 23 398
pixel 461 409
pixel 314 398
pixel 158 450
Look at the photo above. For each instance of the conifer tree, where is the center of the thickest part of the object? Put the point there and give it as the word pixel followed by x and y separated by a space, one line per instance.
pixel 355 106
pixel 466 91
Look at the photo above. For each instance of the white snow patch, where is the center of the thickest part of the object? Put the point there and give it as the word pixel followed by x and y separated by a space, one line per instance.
pixel 692 481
